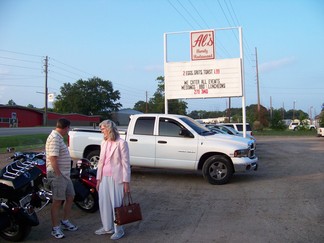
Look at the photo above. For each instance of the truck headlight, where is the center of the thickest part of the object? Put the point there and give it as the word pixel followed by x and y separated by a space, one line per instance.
pixel 241 153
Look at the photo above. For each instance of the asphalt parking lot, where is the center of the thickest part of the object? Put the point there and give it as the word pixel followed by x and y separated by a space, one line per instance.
pixel 281 202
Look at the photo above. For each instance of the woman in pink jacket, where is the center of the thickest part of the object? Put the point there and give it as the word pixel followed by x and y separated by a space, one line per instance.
pixel 113 177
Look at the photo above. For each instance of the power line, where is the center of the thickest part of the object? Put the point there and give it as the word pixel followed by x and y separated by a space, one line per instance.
pixel 181 14
pixel 15 59
pixel 55 60
pixel 189 14
pixel 21 53
pixel 198 14
pixel 9 65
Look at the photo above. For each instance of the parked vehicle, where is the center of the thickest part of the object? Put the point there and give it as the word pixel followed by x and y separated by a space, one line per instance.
pixel 239 127
pixel 19 196
pixel 82 175
pixel 296 125
pixel 320 132
pixel 229 130
pixel 215 129
pixel 173 142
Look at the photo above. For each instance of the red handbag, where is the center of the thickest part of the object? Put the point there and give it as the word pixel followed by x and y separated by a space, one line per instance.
pixel 128 212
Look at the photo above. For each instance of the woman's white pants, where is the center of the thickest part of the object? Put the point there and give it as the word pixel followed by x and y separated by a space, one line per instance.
pixel 110 196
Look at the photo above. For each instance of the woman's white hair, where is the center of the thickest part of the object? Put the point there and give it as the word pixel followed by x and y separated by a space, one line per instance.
pixel 112 128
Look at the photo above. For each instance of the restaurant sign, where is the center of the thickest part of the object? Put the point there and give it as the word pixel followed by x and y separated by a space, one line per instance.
pixel 202 45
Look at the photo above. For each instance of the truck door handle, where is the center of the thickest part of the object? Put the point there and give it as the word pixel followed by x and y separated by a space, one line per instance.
pixel 133 140
pixel 162 141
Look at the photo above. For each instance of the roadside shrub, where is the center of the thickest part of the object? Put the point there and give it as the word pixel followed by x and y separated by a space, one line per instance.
pixel 276 122
pixel 257 126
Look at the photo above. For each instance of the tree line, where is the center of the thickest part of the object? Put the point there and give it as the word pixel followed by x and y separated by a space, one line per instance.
pixel 98 97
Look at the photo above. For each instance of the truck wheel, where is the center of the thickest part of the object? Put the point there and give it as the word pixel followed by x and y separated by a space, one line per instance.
pixel 93 157
pixel 217 170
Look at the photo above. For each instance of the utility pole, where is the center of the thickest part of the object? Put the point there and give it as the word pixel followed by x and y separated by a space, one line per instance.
pixel 46 90
pixel 294 104
pixel 146 106
pixel 270 107
pixel 258 88
pixel 229 109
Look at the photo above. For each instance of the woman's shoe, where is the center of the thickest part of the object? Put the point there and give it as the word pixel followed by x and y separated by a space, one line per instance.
pixel 102 231
pixel 118 235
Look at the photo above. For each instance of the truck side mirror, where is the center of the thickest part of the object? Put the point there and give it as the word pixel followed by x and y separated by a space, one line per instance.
pixel 185 133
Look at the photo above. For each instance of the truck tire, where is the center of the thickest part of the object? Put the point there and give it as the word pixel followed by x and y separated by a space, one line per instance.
pixel 217 170
pixel 93 157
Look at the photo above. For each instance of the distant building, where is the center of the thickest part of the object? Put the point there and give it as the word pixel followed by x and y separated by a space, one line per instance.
pixel 21 116
pixel 212 120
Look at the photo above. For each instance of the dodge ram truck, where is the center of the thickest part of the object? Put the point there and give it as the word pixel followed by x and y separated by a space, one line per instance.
pixel 173 142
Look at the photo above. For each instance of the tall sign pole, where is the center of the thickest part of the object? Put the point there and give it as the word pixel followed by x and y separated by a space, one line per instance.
pixel 165 61
pixel 46 91
pixel 258 87
pixel 243 84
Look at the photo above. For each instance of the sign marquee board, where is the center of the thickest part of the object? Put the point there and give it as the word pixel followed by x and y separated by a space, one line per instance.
pixel 203 79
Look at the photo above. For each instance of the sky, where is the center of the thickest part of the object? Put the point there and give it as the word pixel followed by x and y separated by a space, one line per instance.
pixel 122 41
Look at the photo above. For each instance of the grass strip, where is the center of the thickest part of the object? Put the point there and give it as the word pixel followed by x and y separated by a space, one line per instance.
pixel 22 142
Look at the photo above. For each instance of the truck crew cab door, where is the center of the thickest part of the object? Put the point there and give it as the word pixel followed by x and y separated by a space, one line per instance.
pixel 176 147
pixel 142 142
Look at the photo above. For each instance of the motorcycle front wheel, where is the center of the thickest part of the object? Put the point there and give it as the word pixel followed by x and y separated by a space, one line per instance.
pixel 90 204
pixel 16 231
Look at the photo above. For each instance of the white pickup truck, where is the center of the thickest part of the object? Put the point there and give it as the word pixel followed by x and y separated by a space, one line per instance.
pixel 173 142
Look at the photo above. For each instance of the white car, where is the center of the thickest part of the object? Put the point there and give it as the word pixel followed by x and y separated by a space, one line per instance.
pixel 229 130
pixel 239 127
pixel 298 125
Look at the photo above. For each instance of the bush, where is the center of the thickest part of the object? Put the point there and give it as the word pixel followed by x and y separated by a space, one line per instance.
pixel 257 126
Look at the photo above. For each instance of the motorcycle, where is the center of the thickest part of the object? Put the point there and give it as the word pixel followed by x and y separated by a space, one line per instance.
pixel 19 197
pixel 82 175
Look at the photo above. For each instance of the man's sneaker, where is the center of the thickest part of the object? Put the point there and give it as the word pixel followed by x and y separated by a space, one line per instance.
pixel 102 231
pixel 57 233
pixel 67 225
pixel 117 235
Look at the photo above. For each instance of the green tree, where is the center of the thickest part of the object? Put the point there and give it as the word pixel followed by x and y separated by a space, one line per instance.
pixel 156 103
pixel 296 114
pixel 276 121
pixel 140 106
pixel 200 114
pixel 321 119
pixel 11 102
pixel 89 97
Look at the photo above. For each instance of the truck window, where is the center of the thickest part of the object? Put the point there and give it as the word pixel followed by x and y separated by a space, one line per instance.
pixel 240 127
pixel 144 126
pixel 232 126
pixel 169 127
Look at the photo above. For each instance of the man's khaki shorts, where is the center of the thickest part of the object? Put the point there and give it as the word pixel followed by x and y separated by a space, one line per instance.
pixel 60 185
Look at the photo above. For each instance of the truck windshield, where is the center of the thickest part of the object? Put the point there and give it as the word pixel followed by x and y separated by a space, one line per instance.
pixel 200 129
